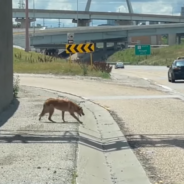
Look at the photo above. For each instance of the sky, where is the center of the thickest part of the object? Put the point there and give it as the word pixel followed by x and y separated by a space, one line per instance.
pixel 164 7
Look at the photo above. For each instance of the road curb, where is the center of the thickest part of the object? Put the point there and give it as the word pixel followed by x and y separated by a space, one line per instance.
pixel 104 155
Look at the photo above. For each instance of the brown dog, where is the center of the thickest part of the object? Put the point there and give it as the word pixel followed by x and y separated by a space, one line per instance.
pixel 62 105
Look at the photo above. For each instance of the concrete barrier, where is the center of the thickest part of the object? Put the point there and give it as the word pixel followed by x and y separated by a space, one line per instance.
pixel 6 54
pixel 113 63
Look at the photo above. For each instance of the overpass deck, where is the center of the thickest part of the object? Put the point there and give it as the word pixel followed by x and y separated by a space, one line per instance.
pixel 89 15
pixel 98 34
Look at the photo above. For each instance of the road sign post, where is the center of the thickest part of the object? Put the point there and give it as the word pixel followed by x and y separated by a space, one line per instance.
pixel 142 50
pixel 91 59
pixel 70 38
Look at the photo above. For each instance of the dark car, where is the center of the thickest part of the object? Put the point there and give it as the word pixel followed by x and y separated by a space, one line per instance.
pixel 176 70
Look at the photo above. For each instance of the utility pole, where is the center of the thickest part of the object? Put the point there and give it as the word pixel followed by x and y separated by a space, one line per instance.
pixel 21 4
pixel 27 27
pixel 34 15
pixel 59 24
pixel 77 13
pixel 43 22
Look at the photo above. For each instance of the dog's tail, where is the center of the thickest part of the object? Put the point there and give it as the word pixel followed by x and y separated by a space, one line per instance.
pixel 42 113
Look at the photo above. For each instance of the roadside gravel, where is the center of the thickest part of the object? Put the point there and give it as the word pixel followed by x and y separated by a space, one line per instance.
pixel 33 151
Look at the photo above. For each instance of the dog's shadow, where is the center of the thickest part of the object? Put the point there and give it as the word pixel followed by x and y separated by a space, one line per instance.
pixel 61 122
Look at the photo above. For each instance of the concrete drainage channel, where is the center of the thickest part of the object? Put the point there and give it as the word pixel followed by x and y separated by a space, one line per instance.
pixel 103 154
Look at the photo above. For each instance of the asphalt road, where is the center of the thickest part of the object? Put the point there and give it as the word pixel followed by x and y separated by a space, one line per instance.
pixel 154 73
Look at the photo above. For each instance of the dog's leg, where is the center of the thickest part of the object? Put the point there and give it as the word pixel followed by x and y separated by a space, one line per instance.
pixel 63 114
pixel 51 111
pixel 72 114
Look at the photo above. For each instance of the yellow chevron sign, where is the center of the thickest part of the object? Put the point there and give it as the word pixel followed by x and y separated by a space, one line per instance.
pixel 80 48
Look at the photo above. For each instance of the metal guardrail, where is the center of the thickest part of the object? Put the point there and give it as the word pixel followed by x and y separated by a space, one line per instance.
pixel 113 63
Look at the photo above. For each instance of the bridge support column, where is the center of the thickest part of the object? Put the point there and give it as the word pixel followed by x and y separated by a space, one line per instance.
pixel 6 54
pixel 23 21
pixel 95 45
pixel 88 4
pixel 130 9
pixel 127 42
pixel 82 22
pixel 172 39
pixel 179 39
pixel 104 46
pixel 124 22
pixel 115 44
pixel 153 40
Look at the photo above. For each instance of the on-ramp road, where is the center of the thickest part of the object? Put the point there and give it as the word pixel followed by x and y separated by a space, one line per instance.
pixel 154 73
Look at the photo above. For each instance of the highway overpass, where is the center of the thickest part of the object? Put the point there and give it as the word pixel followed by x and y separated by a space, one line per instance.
pixel 56 37
pixel 88 15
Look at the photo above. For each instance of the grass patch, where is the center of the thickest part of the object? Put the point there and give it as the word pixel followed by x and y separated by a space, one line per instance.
pixel 16 86
pixel 40 64
pixel 159 56
pixel 74 177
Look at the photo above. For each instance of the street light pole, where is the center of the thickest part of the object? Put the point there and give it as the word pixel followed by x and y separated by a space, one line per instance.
pixel 34 14
pixel 77 14
pixel 27 28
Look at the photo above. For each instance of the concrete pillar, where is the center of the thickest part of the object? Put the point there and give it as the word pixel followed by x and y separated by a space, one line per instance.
pixel 179 39
pixel 88 4
pixel 129 40
pixel 154 40
pixel 6 54
pixel 95 45
pixel 126 43
pixel 82 22
pixel 23 22
pixel 182 11
pixel 172 39
pixel 104 46
pixel 130 10
pixel 115 45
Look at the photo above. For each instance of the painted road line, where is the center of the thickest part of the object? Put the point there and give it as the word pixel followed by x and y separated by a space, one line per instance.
pixel 130 97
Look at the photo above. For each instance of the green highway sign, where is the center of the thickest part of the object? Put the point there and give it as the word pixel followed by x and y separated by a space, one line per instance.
pixel 142 50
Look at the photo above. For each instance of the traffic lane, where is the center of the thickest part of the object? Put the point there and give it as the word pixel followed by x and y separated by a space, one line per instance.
pixel 87 87
pixel 157 74
pixel 154 72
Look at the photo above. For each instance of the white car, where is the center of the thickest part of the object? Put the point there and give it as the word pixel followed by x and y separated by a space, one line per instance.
pixel 119 65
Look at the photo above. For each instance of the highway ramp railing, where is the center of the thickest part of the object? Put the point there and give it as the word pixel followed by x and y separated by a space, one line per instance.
pixel 113 63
